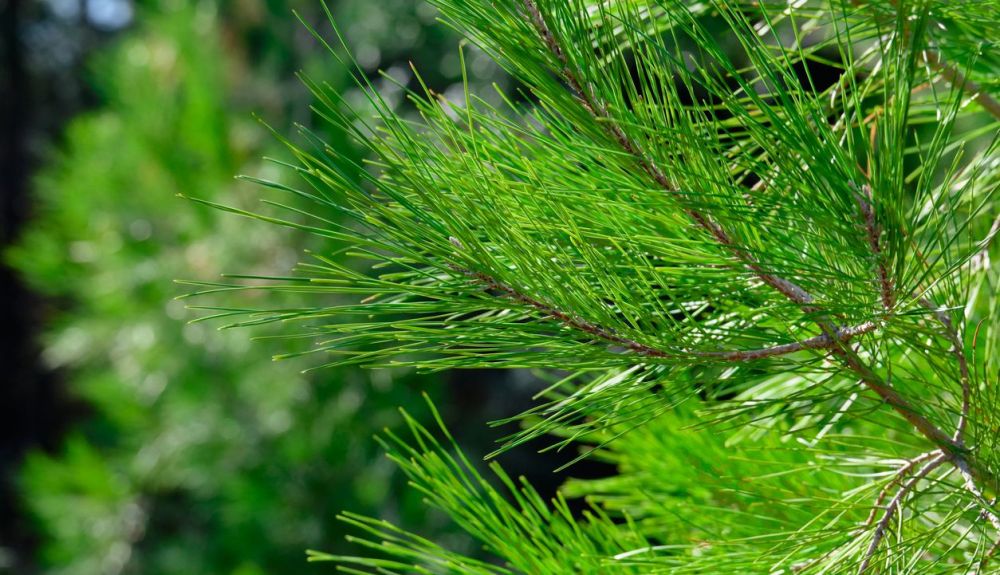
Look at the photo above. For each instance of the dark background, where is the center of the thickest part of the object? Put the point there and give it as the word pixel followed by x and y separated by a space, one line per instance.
pixel 42 88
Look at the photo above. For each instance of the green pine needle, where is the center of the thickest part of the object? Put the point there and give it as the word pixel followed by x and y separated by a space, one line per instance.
pixel 694 226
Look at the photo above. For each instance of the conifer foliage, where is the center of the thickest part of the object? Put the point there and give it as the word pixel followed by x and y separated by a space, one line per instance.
pixel 749 240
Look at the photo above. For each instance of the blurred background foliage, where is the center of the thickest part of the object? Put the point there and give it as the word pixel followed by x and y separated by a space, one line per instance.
pixel 193 452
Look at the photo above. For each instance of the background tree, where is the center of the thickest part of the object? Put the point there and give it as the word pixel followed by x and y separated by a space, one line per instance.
pixel 768 300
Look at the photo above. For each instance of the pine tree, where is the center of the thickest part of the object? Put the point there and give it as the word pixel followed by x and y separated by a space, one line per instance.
pixel 748 241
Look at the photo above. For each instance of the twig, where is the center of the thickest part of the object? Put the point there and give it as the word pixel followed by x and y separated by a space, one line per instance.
pixel 900 474
pixel 874 242
pixel 824 341
pixel 958 350
pixel 571 321
pixel 955 339
pixel 896 479
pixel 970 486
pixel 893 507
pixel 818 342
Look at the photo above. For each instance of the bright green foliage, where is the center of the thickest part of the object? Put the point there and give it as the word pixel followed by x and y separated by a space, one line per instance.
pixel 198 454
pixel 755 237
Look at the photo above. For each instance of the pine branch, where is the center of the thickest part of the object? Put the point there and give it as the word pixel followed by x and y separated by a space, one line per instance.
pixel 564 317
pixel 953 450
pixel 873 233
pixel 595 250
pixel 903 472
pixel 823 341
pixel 894 506
pixel 593 104
pixel 958 350
pixel 970 486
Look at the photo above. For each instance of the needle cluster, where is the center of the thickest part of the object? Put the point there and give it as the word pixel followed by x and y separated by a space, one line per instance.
pixel 750 241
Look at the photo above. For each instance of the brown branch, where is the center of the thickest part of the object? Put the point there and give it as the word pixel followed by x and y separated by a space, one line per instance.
pixel 958 350
pixel 874 232
pixel 955 78
pixel 593 104
pixel 896 480
pixel 957 345
pixel 585 326
pixel 888 510
pixel 954 451
pixel 893 507
pixel 970 486
pixel 609 335
pixel 903 407
pixel 824 341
